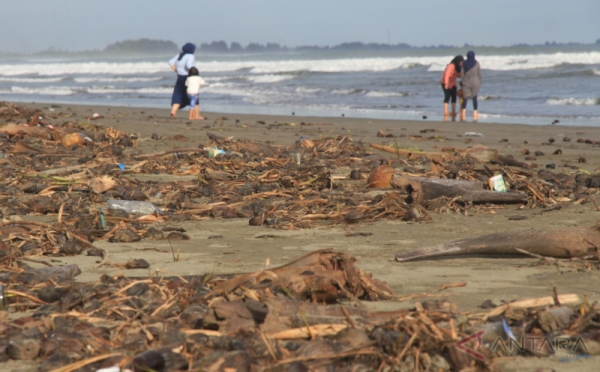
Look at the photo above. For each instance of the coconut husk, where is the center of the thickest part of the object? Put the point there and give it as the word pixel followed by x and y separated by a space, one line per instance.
pixel 72 139
pixel 380 177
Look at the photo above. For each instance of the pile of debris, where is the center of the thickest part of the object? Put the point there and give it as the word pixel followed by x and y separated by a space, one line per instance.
pixel 305 315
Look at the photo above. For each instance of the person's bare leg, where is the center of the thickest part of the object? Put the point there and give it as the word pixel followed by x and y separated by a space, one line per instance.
pixel 174 109
pixel 475 116
pixel 191 115
pixel 453 111
pixel 446 114
pixel 463 114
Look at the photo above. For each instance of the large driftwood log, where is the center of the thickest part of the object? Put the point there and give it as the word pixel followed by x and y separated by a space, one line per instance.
pixel 424 189
pixel 567 243
pixel 58 274
pixel 161 153
pixel 512 161
pixel 469 185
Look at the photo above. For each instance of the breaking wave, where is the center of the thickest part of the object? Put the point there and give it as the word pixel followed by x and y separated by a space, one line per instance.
pixel 269 78
pixel 115 80
pixel 268 69
pixel 30 80
pixel 574 101
pixel 45 91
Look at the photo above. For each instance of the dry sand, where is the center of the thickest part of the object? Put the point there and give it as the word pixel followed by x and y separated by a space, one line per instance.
pixel 232 246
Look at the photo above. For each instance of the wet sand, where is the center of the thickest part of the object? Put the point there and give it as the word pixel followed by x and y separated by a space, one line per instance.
pixel 233 246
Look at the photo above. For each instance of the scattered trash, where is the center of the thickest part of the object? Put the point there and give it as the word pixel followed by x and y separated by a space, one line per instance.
pixel 497 183
pixel 73 139
pixel 133 206
pixel 300 315
pixel 213 152
pixel 472 134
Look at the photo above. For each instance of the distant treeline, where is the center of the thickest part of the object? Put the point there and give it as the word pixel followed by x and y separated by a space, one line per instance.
pixel 153 46
pixel 235 47
pixel 143 46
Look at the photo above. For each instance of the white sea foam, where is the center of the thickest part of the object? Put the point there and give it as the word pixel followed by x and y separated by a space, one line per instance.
pixel 46 91
pixel 30 80
pixel 155 90
pixel 596 72
pixel 115 80
pixel 574 101
pixel 386 94
pixel 269 78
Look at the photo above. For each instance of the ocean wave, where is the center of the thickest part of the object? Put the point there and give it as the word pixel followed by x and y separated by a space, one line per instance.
pixel 45 91
pixel 308 90
pixel 410 65
pixel 596 72
pixel 87 68
pixel 30 80
pixel 266 68
pixel 115 80
pixel 269 78
pixel 487 98
pixel 386 94
pixel 348 91
pixel 573 101
pixel 114 90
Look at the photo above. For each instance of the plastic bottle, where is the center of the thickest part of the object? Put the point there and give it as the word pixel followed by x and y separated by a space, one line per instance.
pixel 133 206
pixel 213 151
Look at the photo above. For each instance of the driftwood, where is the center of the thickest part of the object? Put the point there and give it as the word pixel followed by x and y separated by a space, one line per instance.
pixel 322 275
pixel 567 243
pixel 424 189
pixel 427 154
pixel 58 274
pixel 161 153
pixel 512 161
pixel 535 302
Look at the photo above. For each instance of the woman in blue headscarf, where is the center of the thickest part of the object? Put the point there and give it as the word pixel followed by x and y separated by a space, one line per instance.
pixel 181 64
pixel 470 84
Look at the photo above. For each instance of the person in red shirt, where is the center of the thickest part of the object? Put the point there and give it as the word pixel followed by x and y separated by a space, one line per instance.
pixel 448 82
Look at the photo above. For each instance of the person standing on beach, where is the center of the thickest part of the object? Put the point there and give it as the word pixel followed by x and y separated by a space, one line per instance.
pixel 193 84
pixel 181 64
pixel 448 82
pixel 470 84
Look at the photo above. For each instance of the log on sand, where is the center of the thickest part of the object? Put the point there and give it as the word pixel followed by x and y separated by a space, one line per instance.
pixel 425 189
pixel 564 243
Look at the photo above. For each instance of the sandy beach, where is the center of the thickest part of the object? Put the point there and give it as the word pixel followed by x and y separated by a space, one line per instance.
pixel 231 246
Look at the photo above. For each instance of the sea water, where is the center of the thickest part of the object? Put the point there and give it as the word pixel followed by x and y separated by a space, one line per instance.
pixel 529 85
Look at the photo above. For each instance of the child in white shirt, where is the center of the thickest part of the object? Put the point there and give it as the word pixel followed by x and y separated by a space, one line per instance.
pixel 193 84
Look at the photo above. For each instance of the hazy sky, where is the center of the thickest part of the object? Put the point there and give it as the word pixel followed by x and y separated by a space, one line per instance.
pixel 33 25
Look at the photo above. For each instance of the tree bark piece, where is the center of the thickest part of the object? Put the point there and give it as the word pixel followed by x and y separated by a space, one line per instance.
pixel 567 243
pixel 56 273
pixel 430 188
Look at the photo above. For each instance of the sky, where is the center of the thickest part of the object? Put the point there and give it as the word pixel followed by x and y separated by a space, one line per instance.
pixel 28 26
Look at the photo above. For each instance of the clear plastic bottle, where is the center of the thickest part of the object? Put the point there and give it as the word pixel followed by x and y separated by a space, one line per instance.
pixel 133 206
